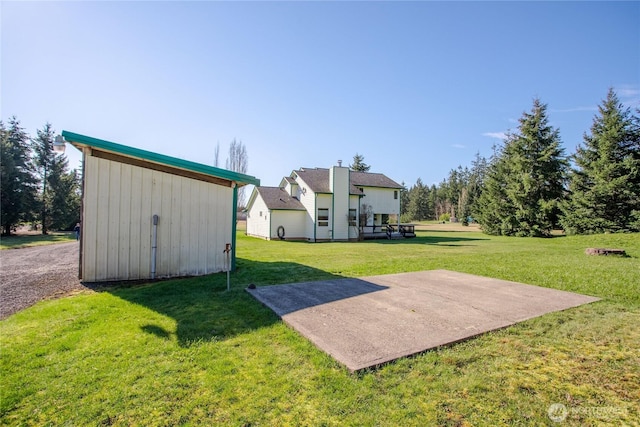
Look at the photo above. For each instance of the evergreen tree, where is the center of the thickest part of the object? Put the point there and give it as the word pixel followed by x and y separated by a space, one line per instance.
pixel 525 184
pixel 418 207
pixel 475 185
pixel 18 192
pixel 605 183
pixel 493 212
pixel 404 199
pixel 45 160
pixel 64 192
pixel 358 164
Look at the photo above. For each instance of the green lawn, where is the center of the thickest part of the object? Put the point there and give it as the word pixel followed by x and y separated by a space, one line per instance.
pixel 187 352
pixel 28 240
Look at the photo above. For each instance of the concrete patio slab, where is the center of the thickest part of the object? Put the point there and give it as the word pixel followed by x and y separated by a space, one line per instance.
pixel 370 321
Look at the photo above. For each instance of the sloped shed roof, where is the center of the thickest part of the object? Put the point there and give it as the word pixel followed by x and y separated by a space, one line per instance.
pixel 151 160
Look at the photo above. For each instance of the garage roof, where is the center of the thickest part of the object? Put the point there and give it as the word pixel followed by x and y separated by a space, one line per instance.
pixel 151 160
pixel 278 199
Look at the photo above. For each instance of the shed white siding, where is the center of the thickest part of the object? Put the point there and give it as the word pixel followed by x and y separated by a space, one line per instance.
pixel 120 201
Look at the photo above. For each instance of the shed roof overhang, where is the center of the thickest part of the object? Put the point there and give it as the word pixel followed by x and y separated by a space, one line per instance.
pixel 150 160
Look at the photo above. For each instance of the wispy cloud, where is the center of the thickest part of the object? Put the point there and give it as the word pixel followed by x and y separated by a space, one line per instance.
pixel 627 91
pixel 573 109
pixel 629 94
pixel 458 146
pixel 498 135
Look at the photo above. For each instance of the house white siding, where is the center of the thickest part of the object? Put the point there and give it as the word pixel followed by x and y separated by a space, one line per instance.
pixel 195 220
pixel 294 223
pixel 339 184
pixel 308 199
pixel 354 230
pixel 323 201
pixel 258 219
pixel 382 200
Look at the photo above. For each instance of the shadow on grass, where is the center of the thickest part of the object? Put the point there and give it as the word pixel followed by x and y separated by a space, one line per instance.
pixel 203 308
pixel 431 240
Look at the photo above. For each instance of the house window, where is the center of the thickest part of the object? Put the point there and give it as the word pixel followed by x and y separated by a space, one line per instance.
pixel 260 213
pixel 323 217
pixel 395 194
pixel 352 217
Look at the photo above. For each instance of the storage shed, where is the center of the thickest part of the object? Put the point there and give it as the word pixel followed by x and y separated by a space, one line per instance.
pixel 124 189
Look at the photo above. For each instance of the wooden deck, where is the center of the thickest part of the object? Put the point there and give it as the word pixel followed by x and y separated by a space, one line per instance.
pixel 388 231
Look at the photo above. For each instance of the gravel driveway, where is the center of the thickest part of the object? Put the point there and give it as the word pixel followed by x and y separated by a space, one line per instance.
pixel 31 274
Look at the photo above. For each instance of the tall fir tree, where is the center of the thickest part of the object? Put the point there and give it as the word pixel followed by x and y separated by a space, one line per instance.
pixel 604 185
pixel 17 182
pixel 64 196
pixel 525 184
pixel 404 199
pixel 418 207
pixel 358 164
pixel 45 160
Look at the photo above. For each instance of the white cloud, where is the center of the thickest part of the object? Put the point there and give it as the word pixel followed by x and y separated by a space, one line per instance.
pixel 629 95
pixel 458 146
pixel 498 135
pixel 573 109
pixel 627 91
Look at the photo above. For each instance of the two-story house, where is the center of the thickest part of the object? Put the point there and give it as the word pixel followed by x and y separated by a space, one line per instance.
pixel 335 204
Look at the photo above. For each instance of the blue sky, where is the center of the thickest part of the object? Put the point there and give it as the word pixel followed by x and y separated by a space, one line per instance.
pixel 416 87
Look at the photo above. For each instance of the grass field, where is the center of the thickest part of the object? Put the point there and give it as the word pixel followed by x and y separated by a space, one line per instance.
pixel 33 239
pixel 187 352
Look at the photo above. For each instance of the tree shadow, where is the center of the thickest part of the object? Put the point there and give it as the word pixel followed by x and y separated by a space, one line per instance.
pixel 443 240
pixel 203 308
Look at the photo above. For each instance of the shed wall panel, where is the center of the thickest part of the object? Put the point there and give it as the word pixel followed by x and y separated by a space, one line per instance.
pixel 135 224
pixel 120 200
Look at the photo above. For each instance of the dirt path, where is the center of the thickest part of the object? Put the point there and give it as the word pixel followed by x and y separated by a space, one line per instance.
pixel 31 274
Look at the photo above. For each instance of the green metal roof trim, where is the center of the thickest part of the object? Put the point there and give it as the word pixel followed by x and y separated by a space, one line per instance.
pixel 158 158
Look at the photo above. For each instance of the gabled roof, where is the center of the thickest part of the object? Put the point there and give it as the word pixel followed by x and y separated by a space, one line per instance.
pixel 157 161
pixel 277 199
pixel 318 180
pixel 370 179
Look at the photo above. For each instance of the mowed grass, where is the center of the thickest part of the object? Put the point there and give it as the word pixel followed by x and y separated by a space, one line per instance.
pixel 27 240
pixel 187 352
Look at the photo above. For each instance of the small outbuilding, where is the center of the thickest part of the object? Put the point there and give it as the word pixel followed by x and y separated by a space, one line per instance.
pixel 146 215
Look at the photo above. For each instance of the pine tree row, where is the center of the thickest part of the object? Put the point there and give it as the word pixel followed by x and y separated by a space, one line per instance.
pixel 36 184
pixel 530 187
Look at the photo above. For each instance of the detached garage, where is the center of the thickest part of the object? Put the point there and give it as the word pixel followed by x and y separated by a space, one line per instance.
pixel 146 215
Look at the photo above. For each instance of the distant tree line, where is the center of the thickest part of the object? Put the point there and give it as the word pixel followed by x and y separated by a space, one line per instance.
pixel 529 187
pixel 37 187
